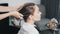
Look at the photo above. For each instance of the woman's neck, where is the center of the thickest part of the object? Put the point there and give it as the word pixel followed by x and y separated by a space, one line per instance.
pixel 30 21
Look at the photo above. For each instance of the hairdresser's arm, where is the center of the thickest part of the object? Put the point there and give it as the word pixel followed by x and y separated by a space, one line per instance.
pixel 14 13
pixel 6 8
pixel 2 16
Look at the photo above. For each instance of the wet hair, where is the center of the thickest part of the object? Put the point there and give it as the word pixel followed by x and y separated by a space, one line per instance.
pixel 27 10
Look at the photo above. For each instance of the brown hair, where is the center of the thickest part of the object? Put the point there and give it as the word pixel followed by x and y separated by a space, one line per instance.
pixel 27 10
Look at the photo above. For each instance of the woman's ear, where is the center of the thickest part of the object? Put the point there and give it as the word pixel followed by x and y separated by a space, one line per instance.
pixel 30 17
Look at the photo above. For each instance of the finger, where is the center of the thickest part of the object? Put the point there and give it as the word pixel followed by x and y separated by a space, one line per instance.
pixel 21 15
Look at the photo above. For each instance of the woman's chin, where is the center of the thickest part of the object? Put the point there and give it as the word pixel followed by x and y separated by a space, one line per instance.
pixel 38 19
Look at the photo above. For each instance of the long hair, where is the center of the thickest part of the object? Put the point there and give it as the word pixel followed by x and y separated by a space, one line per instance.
pixel 27 10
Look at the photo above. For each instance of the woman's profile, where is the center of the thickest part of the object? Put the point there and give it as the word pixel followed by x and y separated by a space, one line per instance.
pixel 31 14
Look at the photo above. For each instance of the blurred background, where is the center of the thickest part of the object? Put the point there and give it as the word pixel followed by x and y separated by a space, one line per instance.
pixel 49 8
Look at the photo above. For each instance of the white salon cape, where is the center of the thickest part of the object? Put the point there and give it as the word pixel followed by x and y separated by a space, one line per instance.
pixel 27 28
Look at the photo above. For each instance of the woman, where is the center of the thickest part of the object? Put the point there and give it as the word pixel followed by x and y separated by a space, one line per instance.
pixel 31 14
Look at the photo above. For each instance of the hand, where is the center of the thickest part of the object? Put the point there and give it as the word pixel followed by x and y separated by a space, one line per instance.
pixel 19 7
pixel 16 14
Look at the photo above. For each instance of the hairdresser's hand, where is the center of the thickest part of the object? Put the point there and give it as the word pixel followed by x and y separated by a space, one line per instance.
pixel 19 7
pixel 16 14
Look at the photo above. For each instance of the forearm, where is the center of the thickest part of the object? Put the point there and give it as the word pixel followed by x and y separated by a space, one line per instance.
pixel 2 16
pixel 6 9
pixel 10 8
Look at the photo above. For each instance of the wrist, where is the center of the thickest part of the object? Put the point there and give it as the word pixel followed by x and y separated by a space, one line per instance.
pixel 10 14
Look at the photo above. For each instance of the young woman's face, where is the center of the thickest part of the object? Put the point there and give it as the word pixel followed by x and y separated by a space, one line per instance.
pixel 37 14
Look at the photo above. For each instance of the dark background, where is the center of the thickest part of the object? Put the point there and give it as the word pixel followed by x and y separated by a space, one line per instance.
pixel 4 23
pixel 52 8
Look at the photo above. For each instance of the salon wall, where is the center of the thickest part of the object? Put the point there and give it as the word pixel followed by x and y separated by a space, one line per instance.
pixel 18 2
